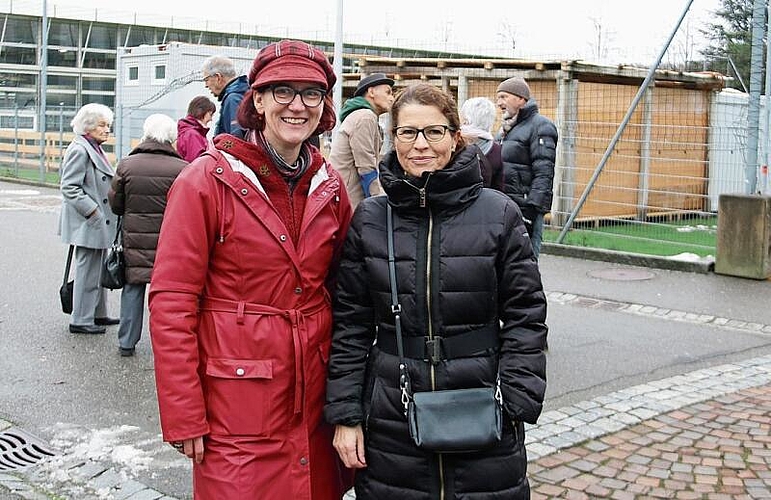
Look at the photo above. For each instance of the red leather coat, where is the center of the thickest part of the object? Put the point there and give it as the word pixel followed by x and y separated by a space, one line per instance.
pixel 240 320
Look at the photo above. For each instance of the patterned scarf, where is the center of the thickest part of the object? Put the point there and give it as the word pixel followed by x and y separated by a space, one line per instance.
pixel 290 172
pixel 507 122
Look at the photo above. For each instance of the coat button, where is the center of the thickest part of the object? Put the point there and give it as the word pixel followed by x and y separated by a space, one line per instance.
pixel 303 461
pixel 240 372
pixel 282 237
pixel 105 201
pixel 104 177
pixel 107 222
pixel 244 191
pixel 218 170
pixel 298 290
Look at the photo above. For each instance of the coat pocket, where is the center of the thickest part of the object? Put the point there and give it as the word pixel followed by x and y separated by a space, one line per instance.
pixel 239 396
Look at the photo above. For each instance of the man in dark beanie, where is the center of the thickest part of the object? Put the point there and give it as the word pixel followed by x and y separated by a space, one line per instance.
pixel 356 147
pixel 528 150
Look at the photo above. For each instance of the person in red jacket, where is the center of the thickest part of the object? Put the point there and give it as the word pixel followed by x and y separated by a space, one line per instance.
pixel 192 129
pixel 240 310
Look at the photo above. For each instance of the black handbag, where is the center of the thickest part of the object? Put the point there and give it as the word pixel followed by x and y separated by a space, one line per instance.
pixel 65 291
pixel 114 267
pixel 449 421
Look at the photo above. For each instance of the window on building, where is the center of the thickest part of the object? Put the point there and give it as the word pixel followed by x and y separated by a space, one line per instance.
pixel 160 73
pixel 133 75
pixel 66 99
pixel 102 37
pixel 18 80
pixel 20 30
pixel 62 82
pixel 18 55
pixel 185 36
pixel 103 84
pixel 99 60
pixel 107 100
pixel 15 99
pixel 63 57
pixel 141 36
pixel 17 121
pixel 61 32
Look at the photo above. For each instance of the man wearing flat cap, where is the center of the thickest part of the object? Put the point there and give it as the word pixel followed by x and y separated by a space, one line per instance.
pixel 356 147
pixel 528 150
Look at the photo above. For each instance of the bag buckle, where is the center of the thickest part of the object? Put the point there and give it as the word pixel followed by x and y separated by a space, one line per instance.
pixel 434 350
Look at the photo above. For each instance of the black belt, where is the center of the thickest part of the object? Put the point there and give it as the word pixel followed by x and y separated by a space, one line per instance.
pixel 436 349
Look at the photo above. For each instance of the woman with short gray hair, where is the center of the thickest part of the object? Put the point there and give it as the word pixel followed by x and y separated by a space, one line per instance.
pixel 138 193
pixel 86 220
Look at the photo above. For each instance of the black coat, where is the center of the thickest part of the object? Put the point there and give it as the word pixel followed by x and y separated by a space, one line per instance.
pixel 528 152
pixel 464 263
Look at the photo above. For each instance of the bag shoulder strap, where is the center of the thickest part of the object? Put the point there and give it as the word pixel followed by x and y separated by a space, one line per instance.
pixel 118 232
pixel 67 265
pixel 396 310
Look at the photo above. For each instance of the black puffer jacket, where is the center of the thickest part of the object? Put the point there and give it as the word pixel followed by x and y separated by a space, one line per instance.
pixel 464 264
pixel 528 152
pixel 138 193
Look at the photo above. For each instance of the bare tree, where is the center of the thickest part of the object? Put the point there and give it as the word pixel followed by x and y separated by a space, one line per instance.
pixel 600 46
pixel 507 32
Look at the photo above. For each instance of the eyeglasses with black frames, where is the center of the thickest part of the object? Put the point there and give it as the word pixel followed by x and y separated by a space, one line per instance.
pixel 432 133
pixel 311 97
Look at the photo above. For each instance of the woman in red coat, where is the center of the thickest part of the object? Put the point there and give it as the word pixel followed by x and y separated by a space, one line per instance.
pixel 240 313
pixel 192 129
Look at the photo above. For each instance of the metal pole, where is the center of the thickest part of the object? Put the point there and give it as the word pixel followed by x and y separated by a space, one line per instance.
pixel 43 88
pixel 61 132
pixel 767 159
pixel 620 130
pixel 753 114
pixel 337 64
pixel 16 138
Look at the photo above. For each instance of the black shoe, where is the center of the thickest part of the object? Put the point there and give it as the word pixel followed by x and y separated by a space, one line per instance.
pixel 93 329
pixel 126 351
pixel 106 321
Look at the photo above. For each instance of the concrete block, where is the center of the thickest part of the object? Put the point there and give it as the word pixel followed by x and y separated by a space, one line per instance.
pixel 744 236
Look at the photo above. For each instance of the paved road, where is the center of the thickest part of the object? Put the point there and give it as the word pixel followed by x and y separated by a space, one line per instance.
pixel 608 333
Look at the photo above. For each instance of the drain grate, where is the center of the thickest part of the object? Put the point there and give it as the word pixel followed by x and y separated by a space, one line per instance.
pixel 19 450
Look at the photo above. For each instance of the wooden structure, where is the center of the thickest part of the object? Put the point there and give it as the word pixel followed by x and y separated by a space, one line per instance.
pixel 659 166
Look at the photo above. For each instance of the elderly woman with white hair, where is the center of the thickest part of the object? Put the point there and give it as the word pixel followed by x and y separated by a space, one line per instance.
pixel 138 193
pixel 477 116
pixel 86 221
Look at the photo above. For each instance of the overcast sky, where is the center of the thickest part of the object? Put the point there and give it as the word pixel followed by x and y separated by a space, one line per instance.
pixel 622 31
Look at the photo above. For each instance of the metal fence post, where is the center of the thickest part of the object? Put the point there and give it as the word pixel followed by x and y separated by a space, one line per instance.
pixel 16 139
pixel 61 133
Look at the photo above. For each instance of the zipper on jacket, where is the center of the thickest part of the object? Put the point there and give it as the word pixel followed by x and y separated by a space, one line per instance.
pixel 431 325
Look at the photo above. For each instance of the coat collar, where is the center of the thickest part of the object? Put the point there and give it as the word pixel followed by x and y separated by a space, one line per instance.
pixel 450 188
pixel 98 160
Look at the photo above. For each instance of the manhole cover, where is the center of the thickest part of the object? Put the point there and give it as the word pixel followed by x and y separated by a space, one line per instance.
pixel 19 450
pixel 622 274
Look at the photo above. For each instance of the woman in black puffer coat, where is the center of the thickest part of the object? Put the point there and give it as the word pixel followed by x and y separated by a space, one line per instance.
pixel 465 273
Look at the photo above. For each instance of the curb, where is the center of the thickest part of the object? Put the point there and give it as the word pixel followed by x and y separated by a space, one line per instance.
pixel 702 266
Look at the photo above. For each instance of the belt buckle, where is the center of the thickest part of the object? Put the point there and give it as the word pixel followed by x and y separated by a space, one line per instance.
pixel 434 350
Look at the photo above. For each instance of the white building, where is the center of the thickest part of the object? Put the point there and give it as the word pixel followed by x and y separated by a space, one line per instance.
pixel 163 79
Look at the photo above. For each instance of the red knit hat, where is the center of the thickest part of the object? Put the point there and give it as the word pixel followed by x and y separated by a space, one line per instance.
pixel 291 61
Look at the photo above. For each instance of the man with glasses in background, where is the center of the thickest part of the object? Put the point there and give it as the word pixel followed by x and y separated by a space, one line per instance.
pixel 219 76
pixel 356 147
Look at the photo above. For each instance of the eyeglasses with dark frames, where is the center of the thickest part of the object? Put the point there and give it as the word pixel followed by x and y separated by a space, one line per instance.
pixel 432 133
pixel 311 97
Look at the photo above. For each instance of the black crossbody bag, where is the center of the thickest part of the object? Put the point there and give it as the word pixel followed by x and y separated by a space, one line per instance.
pixel 450 421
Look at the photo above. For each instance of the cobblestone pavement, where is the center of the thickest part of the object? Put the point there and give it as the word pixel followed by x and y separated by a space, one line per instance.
pixel 716 449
